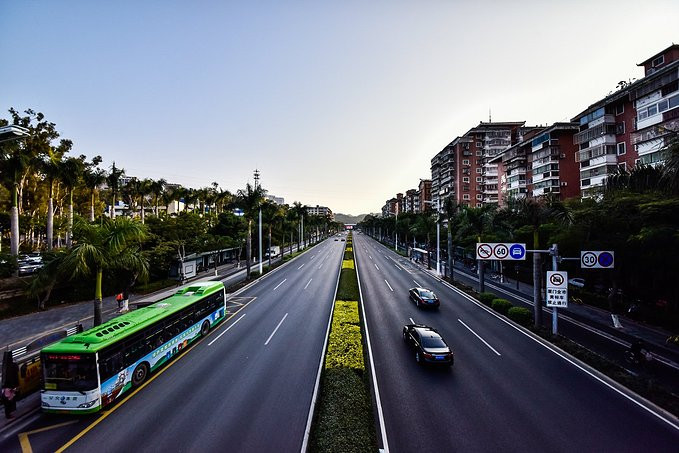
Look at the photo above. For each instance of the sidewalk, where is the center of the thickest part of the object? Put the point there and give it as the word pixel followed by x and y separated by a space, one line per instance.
pixel 595 317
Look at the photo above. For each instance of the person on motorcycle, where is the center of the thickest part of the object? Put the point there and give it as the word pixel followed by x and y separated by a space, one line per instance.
pixel 639 351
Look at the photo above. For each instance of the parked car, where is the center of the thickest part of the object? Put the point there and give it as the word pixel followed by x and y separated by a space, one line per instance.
pixel 424 297
pixel 28 268
pixel 428 344
pixel 577 282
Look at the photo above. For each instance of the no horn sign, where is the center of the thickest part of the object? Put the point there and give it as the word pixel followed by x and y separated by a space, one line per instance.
pixel 500 251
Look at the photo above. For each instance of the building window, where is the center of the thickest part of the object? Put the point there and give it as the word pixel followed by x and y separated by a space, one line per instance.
pixel 465 179
pixel 465 162
pixel 479 144
pixel 479 170
pixel 479 205
pixel 479 153
pixel 622 167
pixel 465 196
pixel 479 179
pixel 620 109
pixel 621 149
pixel 479 196
pixel 620 128
pixel 658 61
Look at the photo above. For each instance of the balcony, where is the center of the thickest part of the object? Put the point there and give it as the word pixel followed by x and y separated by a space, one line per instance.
pixel 594 152
pixel 594 132
pixel 657 131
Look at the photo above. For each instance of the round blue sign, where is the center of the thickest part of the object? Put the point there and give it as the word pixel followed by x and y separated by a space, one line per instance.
pixel 517 251
pixel 605 259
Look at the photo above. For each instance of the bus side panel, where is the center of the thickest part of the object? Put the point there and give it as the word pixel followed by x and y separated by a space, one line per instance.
pixel 115 386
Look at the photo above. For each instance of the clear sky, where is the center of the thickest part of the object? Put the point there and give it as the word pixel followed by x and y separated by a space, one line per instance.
pixel 341 104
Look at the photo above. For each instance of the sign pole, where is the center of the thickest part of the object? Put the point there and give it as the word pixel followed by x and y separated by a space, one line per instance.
pixel 555 311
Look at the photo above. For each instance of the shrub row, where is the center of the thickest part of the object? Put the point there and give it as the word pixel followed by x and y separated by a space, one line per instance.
pixel 520 315
pixel 348 255
pixel 344 416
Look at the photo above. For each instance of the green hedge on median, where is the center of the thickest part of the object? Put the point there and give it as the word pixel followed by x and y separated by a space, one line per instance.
pixel 348 285
pixel 521 315
pixel 487 298
pixel 348 255
pixel 501 305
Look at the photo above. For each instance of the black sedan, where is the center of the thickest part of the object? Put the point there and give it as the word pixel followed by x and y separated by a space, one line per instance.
pixel 429 345
pixel 424 297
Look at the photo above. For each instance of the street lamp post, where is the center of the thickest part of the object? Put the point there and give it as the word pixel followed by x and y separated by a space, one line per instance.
pixel 438 235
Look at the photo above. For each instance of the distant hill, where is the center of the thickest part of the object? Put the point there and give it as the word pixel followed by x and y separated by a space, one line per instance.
pixel 346 218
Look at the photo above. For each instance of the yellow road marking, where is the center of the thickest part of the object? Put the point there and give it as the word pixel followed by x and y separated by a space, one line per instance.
pixel 113 409
pixel 23 437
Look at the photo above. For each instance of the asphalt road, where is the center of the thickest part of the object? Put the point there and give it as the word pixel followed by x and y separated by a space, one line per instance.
pixel 506 392
pixel 247 387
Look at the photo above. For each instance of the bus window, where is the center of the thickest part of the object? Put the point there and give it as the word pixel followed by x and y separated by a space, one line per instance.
pixel 69 371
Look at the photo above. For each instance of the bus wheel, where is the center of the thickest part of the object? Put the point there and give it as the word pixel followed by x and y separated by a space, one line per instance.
pixel 140 374
pixel 205 328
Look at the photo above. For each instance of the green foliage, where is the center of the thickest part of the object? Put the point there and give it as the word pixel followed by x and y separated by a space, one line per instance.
pixel 521 315
pixel 344 344
pixel 344 421
pixel 501 305
pixel 348 255
pixel 348 285
pixel 8 265
pixel 487 298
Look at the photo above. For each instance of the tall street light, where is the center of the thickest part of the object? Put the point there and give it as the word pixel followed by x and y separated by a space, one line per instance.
pixel 261 270
pixel 438 234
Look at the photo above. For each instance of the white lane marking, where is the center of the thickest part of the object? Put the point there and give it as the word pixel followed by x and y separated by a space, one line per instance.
pixel 320 266
pixel 301 266
pixel 398 267
pixel 280 284
pixel 308 283
pixel 226 330
pixel 370 257
pixel 477 336
pixel 376 266
pixel 274 331
pixel 312 257
pixel 411 321
pixel 392 289
pixel 418 285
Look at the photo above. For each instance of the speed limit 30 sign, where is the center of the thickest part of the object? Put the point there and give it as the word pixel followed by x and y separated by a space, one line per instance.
pixel 591 259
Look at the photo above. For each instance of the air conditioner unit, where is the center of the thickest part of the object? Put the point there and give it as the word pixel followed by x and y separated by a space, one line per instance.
pixel 563 156
pixel 564 184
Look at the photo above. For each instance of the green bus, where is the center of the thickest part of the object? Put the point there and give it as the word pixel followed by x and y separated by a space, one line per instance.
pixel 88 371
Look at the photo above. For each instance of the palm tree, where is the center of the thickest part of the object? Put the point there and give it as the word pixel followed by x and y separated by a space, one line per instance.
pixel 300 214
pixel 271 212
pixel 18 160
pixel 93 177
pixel 113 180
pixel 157 189
pixel 249 200
pixel 71 172
pixel 113 245
pixel 670 177
pixel 144 191
pixel 51 170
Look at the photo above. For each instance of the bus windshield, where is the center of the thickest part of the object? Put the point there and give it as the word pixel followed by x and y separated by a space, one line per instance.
pixel 69 372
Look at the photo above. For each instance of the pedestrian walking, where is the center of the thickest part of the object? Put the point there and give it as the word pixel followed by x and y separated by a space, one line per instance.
pixel 9 389
pixel 119 299
pixel 125 301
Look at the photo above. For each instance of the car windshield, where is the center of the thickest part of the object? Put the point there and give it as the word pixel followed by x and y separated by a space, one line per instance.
pixel 426 294
pixel 433 342
pixel 69 372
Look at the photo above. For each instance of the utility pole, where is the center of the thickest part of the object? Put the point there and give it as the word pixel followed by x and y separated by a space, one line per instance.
pixel 257 185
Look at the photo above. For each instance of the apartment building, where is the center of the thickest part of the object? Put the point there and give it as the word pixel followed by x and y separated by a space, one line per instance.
pixel 631 125
pixel 513 167
pixel 320 211
pixel 412 201
pixel 424 193
pixel 553 168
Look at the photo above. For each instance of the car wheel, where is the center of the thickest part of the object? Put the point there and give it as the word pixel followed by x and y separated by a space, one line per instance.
pixel 140 374
pixel 417 303
pixel 205 328
pixel 405 337
pixel 417 357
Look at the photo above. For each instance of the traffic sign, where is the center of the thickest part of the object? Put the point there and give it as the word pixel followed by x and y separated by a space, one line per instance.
pixel 557 289
pixel 590 259
pixel 500 251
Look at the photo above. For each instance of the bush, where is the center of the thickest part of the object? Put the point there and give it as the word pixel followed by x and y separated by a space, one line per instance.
pixel 521 315
pixel 348 255
pixel 344 344
pixel 348 264
pixel 348 285
pixel 487 298
pixel 501 305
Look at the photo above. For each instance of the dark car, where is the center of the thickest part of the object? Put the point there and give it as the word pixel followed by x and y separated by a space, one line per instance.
pixel 424 297
pixel 429 345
